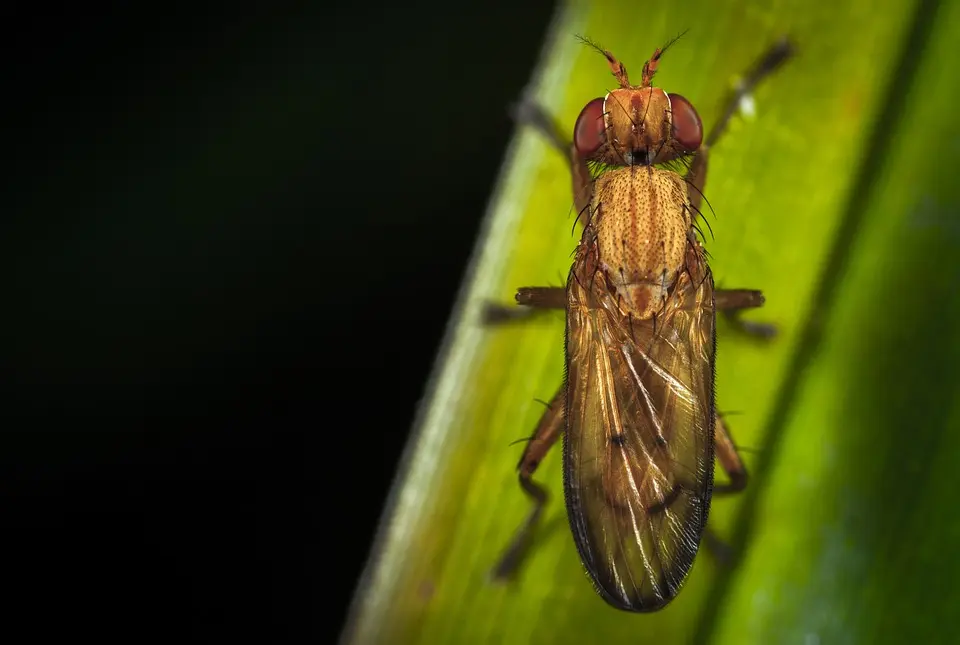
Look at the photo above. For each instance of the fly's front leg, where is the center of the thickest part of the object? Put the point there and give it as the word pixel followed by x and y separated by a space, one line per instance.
pixel 768 63
pixel 547 432
pixel 771 60
pixel 531 114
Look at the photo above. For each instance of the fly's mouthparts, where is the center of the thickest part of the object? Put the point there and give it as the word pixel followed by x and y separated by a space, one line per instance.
pixel 638 157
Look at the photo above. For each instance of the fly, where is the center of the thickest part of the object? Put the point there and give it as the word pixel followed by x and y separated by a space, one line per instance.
pixel 637 410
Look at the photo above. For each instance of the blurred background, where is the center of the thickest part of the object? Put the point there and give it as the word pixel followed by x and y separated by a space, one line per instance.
pixel 232 240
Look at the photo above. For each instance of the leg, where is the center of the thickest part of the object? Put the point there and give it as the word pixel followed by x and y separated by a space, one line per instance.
pixel 771 60
pixel 531 114
pixel 736 299
pixel 730 462
pixel 547 432
pixel 732 301
pixel 533 298
pixel 542 297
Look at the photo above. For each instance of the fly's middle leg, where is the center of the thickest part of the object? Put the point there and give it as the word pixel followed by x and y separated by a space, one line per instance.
pixel 542 297
pixel 547 432
pixel 733 301
pixel 533 298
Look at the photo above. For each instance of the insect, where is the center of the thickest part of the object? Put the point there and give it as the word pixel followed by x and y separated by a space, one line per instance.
pixel 636 410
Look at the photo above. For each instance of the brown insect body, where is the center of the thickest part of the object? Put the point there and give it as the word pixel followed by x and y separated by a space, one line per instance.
pixel 638 453
pixel 637 408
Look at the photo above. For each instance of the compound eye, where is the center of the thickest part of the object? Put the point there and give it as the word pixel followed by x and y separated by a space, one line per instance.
pixel 687 128
pixel 590 132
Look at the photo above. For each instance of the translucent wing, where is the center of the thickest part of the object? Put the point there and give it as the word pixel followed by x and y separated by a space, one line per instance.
pixel 638 446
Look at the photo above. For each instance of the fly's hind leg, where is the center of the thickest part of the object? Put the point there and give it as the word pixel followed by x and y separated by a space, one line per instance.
pixel 547 432
pixel 729 459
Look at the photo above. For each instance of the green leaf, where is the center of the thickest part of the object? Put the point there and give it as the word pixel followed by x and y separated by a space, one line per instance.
pixel 837 198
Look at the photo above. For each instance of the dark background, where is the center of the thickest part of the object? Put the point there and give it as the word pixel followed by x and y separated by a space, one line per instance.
pixel 232 241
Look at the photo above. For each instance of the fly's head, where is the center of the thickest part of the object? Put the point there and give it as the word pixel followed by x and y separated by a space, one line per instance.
pixel 637 124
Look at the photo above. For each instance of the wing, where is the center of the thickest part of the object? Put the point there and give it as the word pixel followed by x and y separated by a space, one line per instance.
pixel 638 446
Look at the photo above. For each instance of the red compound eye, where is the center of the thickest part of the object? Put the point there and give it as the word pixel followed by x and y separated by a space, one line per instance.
pixel 590 132
pixel 687 128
